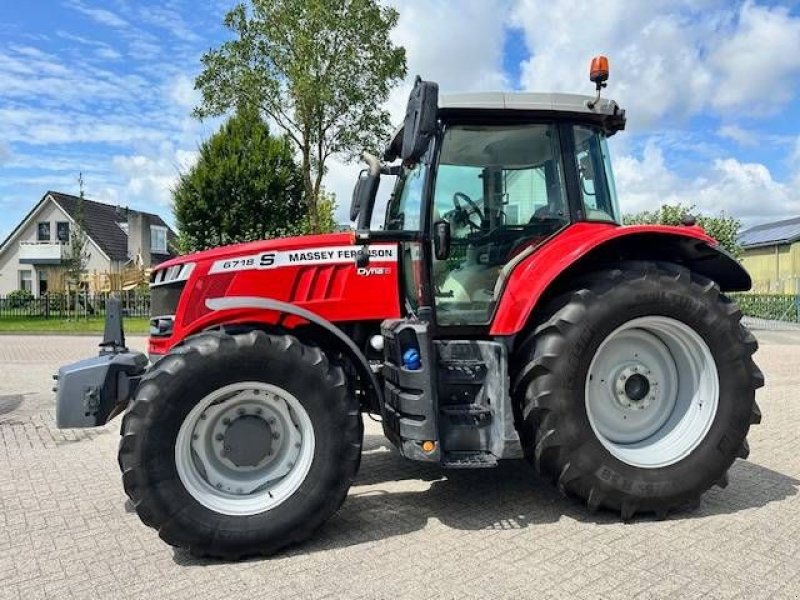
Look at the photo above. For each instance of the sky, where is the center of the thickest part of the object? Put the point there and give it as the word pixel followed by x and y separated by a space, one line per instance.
pixel 710 87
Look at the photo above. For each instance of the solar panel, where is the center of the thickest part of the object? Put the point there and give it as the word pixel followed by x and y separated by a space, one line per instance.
pixel 780 232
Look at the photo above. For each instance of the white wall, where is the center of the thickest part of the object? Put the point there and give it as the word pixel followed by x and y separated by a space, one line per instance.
pixel 9 258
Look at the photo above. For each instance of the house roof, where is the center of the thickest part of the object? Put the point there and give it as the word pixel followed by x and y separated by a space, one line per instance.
pixel 771 234
pixel 102 224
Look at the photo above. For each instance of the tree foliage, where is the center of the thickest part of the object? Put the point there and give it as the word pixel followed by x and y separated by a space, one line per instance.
pixel 321 69
pixel 722 227
pixel 245 186
pixel 78 255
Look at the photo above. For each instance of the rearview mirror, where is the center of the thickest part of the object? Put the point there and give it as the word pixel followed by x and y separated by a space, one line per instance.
pixel 364 194
pixel 420 122
pixel 358 191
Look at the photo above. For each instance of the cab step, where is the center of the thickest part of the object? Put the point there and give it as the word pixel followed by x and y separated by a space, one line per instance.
pixel 469 460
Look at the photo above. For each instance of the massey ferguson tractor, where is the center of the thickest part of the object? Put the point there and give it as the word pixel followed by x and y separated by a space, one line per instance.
pixel 502 311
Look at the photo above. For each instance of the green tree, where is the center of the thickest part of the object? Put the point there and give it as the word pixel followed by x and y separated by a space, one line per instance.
pixel 78 255
pixel 722 227
pixel 320 69
pixel 245 186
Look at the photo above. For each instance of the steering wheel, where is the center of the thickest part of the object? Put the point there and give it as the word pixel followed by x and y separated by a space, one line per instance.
pixel 472 209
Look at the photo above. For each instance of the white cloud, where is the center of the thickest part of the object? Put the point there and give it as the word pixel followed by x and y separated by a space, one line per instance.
pixel 758 65
pixel 150 178
pixel 743 137
pixel 669 60
pixel 100 15
pixel 748 191
pixel 181 92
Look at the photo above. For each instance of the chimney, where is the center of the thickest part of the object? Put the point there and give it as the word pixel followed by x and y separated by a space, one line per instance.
pixel 138 238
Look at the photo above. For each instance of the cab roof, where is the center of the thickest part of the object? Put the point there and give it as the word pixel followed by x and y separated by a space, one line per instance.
pixel 605 113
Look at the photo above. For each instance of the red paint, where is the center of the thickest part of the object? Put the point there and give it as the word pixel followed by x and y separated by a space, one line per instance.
pixel 335 292
pixel 533 275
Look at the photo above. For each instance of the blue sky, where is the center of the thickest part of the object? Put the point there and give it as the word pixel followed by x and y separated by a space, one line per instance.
pixel 710 87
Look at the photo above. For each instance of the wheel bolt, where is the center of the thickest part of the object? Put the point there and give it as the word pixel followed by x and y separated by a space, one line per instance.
pixel 276 435
pixel 219 486
pixel 259 411
pixel 195 436
pixel 297 444
pixel 203 415
pixel 241 411
pixel 226 421
pixel 219 437
pixel 271 420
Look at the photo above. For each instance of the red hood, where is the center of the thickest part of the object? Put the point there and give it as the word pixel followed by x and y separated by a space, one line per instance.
pixel 288 243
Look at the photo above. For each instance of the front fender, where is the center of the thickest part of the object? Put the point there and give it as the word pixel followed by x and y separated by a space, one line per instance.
pixel 590 246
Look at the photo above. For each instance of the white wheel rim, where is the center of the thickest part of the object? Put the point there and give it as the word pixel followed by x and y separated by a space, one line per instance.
pixel 652 392
pixel 244 448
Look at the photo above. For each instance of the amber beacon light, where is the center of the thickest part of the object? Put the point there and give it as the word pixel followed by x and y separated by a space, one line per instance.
pixel 598 71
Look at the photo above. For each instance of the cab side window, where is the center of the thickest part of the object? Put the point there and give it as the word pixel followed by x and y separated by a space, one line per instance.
pixel 404 211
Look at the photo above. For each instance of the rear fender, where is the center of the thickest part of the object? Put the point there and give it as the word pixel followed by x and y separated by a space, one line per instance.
pixel 586 247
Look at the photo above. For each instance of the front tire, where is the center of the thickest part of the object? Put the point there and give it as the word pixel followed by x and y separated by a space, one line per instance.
pixel 636 390
pixel 238 445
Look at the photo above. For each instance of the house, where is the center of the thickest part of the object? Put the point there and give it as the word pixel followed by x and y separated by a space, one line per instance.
pixel 771 254
pixel 120 242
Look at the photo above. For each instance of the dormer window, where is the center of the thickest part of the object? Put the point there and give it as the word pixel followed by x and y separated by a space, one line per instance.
pixel 158 239
pixel 62 231
pixel 43 231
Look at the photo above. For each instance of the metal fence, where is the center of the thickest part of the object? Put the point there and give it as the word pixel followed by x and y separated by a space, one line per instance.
pixel 60 305
pixel 774 307
pixel 136 303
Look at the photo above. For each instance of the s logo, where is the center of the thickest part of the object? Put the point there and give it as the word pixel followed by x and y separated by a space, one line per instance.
pixel 267 260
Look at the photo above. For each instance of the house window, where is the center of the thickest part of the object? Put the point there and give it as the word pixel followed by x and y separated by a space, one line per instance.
pixel 158 239
pixel 43 231
pixel 62 231
pixel 42 281
pixel 26 280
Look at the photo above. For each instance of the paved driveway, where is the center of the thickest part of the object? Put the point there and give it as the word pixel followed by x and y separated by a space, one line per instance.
pixel 66 529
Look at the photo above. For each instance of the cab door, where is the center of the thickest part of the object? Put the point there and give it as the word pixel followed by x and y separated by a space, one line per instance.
pixel 500 188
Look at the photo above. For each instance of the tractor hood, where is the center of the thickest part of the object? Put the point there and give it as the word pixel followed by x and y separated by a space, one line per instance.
pixel 288 243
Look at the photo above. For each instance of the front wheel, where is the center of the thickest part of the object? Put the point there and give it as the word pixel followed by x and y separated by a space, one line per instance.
pixel 238 445
pixel 637 390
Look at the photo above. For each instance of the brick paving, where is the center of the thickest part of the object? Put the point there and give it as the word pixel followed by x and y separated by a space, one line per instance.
pixel 406 530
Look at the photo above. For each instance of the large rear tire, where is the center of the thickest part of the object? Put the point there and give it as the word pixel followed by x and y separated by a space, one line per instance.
pixel 238 445
pixel 636 391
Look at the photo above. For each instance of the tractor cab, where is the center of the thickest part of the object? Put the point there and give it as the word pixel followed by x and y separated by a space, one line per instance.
pixel 482 181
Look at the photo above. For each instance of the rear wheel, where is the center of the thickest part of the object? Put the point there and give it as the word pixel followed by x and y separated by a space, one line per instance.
pixel 238 445
pixel 637 390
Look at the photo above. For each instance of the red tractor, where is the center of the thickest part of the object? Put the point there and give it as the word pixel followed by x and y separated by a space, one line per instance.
pixel 502 311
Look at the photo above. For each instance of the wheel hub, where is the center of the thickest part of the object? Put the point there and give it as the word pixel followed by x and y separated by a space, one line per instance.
pixel 247 441
pixel 244 447
pixel 635 387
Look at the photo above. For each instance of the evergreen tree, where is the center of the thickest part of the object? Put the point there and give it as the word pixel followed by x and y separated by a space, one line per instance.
pixel 245 186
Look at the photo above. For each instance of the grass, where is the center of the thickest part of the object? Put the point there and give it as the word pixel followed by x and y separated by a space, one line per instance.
pixel 133 325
